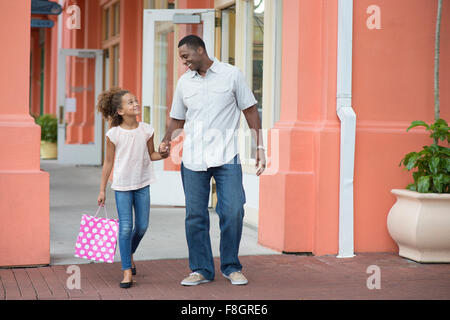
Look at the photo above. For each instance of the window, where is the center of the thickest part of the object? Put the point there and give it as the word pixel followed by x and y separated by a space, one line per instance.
pixel 163 76
pixel 254 53
pixel 116 23
pixel 110 46
pixel 257 52
pixel 228 35
pixel 258 55
pixel 111 43
pixel 159 4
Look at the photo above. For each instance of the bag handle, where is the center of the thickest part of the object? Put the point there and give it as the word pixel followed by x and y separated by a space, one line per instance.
pixel 104 207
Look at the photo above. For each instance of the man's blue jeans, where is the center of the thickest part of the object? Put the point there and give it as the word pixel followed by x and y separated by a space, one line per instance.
pixel 130 238
pixel 230 208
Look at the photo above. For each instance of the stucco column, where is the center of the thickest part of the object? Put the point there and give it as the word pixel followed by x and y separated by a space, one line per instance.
pixel 50 67
pixel 299 203
pixel 24 188
pixel 75 80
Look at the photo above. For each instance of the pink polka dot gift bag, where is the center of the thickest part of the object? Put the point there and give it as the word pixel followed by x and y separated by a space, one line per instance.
pixel 97 238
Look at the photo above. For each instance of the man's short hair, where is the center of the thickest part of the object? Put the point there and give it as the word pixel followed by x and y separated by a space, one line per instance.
pixel 192 41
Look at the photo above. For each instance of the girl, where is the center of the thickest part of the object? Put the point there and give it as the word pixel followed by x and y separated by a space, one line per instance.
pixel 129 146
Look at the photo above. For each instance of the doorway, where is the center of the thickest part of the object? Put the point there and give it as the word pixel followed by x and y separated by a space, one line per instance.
pixel 161 68
pixel 79 123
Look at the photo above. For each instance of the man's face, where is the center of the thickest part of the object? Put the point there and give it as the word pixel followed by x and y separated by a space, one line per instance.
pixel 190 57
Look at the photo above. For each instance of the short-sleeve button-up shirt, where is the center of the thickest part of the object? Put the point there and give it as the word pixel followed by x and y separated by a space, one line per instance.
pixel 211 106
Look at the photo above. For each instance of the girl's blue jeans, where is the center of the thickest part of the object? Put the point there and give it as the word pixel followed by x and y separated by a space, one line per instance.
pixel 230 208
pixel 129 237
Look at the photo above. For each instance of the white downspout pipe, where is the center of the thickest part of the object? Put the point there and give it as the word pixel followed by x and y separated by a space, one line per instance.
pixel 348 127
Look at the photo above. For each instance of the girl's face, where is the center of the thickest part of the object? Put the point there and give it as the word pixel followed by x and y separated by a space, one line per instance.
pixel 130 106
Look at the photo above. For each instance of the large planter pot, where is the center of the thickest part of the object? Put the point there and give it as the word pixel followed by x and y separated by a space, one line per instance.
pixel 49 150
pixel 420 224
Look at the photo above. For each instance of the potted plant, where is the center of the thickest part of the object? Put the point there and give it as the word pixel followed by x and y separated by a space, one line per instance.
pixel 420 219
pixel 49 131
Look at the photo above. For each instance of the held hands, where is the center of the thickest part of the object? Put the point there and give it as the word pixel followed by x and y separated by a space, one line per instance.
pixel 164 149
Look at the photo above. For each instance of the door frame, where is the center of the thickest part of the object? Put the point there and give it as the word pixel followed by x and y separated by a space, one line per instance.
pixel 148 57
pixel 87 154
pixel 168 180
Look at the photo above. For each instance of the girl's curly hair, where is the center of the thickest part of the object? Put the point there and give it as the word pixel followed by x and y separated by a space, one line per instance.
pixel 109 101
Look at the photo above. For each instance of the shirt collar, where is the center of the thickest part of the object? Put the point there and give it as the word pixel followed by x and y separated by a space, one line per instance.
pixel 214 68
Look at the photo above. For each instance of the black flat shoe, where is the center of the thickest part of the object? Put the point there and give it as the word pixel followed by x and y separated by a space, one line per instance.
pixel 133 271
pixel 126 285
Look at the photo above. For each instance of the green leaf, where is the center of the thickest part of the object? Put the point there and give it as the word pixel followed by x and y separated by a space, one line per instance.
pixel 49 127
pixel 434 165
pixel 446 179
pixel 441 122
pixel 438 181
pixel 412 162
pixel 445 151
pixel 418 124
pixel 405 160
pixel 417 175
pixel 433 148
pixel 446 165
pixel 423 184
pixel 411 187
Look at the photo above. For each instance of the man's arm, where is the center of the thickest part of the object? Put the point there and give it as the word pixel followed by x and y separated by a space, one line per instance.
pixel 173 130
pixel 254 123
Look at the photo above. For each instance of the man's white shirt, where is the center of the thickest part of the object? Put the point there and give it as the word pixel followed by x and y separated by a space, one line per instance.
pixel 211 107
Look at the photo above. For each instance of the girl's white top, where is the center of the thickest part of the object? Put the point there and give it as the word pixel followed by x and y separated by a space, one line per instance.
pixel 133 168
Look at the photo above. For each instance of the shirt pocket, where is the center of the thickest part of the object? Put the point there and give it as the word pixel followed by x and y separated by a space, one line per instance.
pixel 192 99
pixel 223 96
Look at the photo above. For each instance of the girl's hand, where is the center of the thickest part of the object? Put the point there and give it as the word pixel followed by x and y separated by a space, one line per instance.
pixel 101 199
pixel 164 149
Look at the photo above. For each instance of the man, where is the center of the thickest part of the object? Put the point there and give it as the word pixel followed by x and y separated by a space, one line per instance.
pixel 207 103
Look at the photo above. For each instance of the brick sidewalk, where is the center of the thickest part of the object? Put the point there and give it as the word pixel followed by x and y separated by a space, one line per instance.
pixel 271 277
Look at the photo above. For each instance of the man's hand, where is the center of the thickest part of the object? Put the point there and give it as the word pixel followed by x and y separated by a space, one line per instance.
pixel 164 149
pixel 260 161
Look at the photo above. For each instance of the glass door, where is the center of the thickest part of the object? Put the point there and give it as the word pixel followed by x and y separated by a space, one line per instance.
pixel 79 123
pixel 161 65
pixel 161 69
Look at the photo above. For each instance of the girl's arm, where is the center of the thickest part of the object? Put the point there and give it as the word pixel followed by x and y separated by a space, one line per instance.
pixel 106 171
pixel 154 156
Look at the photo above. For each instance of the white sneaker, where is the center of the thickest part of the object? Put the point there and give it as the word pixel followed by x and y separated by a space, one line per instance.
pixel 194 279
pixel 236 278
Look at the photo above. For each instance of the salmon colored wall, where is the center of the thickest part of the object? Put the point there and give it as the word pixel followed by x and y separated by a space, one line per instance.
pixel 92 40
pixel 50 65
pixel 24 188
pixel 75 73
pixel 130 67
pixel 392 86
pixel 195 4
pixel 298 205
pixel 36 84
